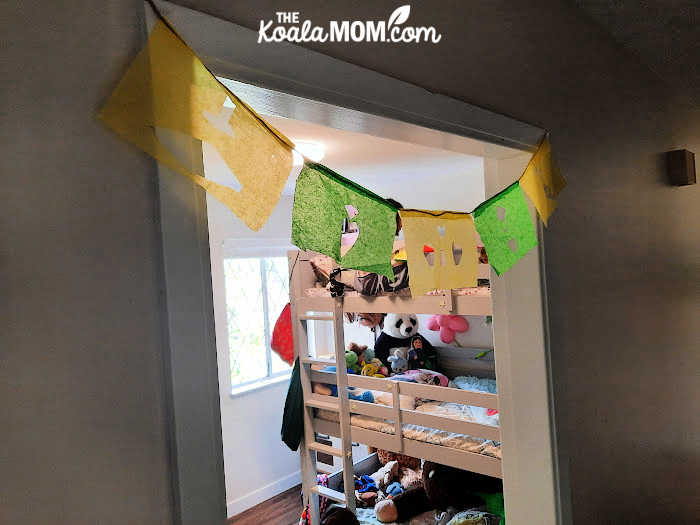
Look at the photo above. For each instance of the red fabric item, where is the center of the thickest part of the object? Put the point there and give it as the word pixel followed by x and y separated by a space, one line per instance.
pixel 282 342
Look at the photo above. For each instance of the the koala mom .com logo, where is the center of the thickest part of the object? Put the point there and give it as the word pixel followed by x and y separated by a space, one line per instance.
pixel 289 28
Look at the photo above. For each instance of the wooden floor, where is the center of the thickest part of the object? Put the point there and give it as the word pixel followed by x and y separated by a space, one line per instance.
pixel 283 509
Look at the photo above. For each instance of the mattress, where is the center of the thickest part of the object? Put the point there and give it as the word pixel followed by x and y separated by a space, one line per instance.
pixel 433 436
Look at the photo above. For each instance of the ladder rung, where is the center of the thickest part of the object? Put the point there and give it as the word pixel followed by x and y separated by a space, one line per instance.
pixel 323 402
pixel 317 361
pixel 329 493
pixel 317 317
pixel 326 449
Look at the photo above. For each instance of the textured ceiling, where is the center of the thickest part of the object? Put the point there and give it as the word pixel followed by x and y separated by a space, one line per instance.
pixel 664 34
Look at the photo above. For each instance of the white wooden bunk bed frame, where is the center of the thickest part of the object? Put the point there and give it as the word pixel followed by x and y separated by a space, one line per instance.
pixel 325 308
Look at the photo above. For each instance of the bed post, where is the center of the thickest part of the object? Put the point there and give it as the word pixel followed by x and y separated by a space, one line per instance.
pixel 343 404
pixel 396 402
pixel 301 346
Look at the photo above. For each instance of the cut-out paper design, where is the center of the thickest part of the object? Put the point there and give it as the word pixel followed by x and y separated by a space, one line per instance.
pixel 440 250
pixel 323 200
pixel 168 88
pixel 351 230
pixel 542 180
pixel 505 227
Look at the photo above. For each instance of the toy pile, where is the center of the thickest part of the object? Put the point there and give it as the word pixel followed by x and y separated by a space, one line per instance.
pixel 455 496
pixel 398 474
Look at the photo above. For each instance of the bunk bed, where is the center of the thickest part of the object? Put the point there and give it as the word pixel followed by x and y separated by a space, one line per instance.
pixel 439 430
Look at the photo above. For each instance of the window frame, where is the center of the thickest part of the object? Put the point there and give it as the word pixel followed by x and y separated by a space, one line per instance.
pixel 271 378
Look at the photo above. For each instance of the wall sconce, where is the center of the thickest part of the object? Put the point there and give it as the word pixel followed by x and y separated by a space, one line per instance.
pixel 680 166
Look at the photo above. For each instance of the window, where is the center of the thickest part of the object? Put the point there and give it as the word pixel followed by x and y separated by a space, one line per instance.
pixel 257 289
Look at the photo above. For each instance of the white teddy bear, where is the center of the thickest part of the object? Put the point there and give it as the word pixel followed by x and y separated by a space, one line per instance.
pixel 399 360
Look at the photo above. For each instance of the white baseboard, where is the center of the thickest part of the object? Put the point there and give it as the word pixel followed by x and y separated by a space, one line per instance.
pixel 251 499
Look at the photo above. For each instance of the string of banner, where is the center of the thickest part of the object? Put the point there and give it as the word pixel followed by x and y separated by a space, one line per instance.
pixel 168 89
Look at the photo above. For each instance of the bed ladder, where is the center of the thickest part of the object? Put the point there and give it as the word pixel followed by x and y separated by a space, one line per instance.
pixel 309 445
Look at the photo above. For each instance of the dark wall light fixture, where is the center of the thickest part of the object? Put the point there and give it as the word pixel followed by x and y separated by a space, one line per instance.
pixel 680 166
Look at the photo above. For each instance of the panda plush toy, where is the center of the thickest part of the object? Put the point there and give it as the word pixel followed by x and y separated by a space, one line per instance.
pixel 401 331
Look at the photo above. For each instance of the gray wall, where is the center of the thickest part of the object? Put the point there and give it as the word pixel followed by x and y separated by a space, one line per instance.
pixel 82 428
pixel 80 406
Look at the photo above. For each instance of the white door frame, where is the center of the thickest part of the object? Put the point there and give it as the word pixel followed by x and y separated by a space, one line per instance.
pixel 306 85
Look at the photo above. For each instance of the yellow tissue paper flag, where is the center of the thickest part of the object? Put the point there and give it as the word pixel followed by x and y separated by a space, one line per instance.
pixel 542 180
pixel 168 87
pixel 440 249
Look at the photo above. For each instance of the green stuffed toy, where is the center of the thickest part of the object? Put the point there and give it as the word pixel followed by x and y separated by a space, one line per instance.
pixel 352 361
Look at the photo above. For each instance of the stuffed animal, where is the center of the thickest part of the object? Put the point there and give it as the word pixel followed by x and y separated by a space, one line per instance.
pixel 398 360
pixel 448 326
pixel 359 350
pixel 375 368
pixel 401 331
pixel 366 499
pixel 352 362
pixel 386 475
pixel 410 478
pixel 365 483
pixel 443 487
pixel 394 489
pixel 366 396
pixel 332 390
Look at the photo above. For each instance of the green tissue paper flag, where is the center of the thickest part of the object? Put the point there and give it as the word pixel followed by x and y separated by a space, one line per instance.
pixel 505 227
pixel 322 200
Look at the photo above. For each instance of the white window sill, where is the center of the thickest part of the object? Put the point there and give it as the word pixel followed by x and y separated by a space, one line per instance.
pixel 259 385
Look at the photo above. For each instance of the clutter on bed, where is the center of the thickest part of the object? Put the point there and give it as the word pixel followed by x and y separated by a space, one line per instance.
pixel 410 478
pixel 422 376
pixel 366 283
pixel 371 284
pixel 471 517
pixel 400 331
pixel 424 434
pixel 444 488
pixel 455 411
pixel 386 475
pixel 332 390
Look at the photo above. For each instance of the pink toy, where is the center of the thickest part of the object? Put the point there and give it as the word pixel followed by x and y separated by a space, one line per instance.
pixel 448 326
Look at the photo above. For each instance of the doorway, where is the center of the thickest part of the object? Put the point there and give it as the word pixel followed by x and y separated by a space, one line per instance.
pixel 380 107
